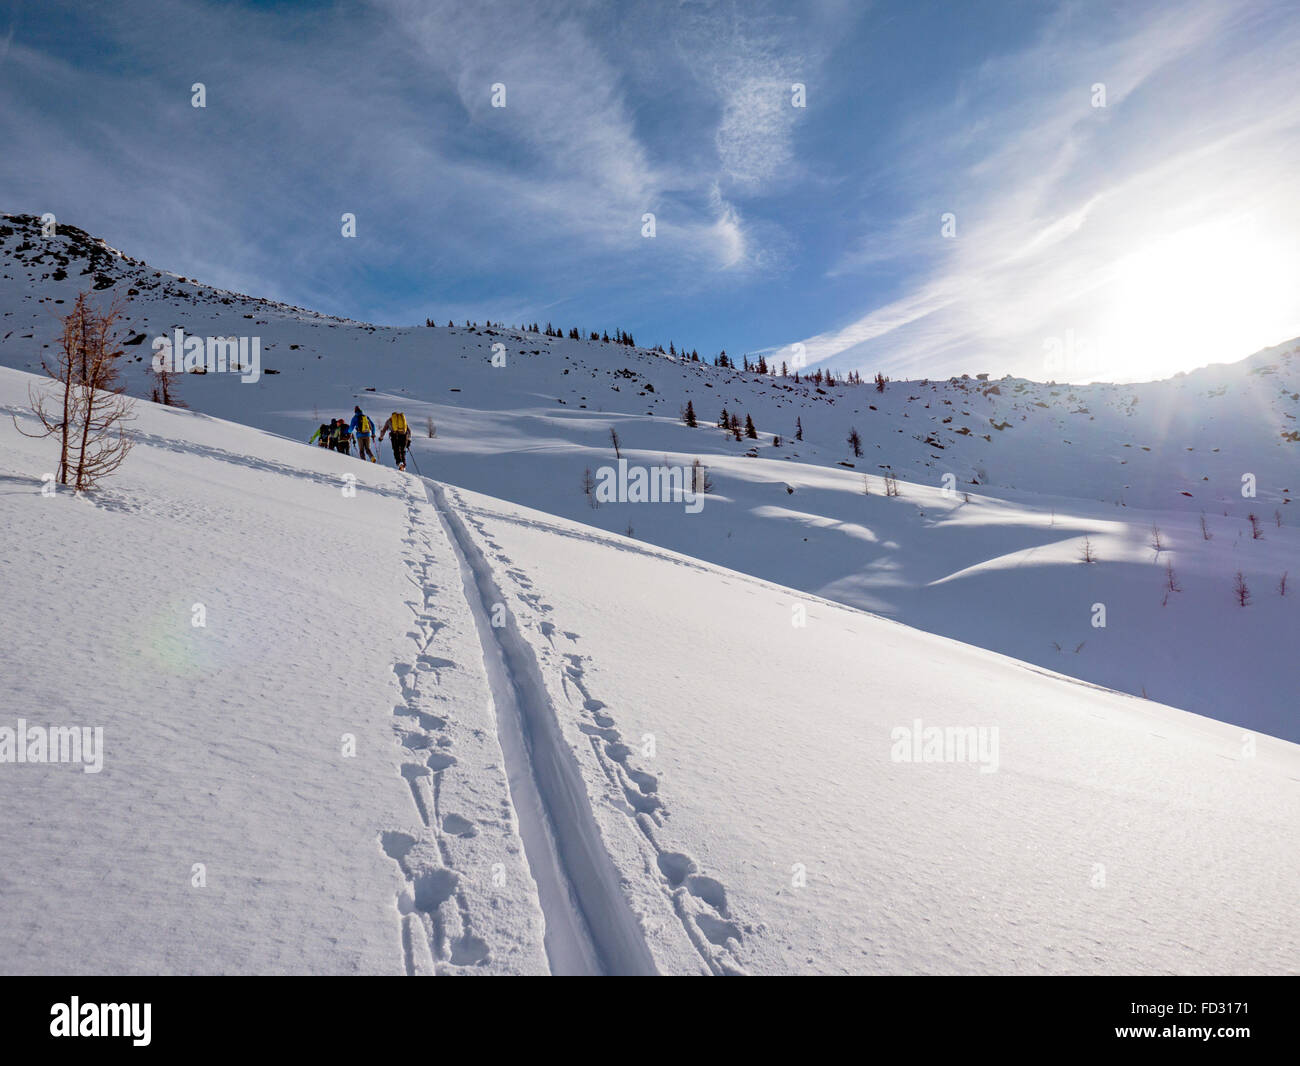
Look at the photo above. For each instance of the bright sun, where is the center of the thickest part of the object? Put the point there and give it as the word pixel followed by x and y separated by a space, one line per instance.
pixel 1212 293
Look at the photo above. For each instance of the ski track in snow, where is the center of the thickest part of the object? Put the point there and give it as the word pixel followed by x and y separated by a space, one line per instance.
pixel 617 941
pixel 698 901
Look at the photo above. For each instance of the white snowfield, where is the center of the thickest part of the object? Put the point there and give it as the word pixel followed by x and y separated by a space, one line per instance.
pixel 354 721
pixel 1000 481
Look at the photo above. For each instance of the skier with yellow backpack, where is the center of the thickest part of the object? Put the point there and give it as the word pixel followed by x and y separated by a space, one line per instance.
pixel 401 434
pixel 364 430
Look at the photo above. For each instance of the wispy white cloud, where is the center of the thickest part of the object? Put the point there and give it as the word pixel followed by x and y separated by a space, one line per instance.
pixel 1050 194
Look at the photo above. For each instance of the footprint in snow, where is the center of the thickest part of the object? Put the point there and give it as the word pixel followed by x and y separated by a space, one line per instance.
pixel 440 760
pixel 457 826
pixel 432 662
pixel 676 867
pixel 395 844
pixel 427 722
pixel 717 931
pixel 709 890
pixel 468 951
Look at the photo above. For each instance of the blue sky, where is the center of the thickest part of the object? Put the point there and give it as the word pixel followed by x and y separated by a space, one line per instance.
pixel 1125 241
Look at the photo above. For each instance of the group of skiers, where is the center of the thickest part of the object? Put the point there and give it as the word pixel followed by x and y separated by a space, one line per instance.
pixel 339 436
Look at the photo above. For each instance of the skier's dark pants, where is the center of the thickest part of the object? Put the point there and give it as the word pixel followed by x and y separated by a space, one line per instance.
pixel 363 446
pixel 400 440
pixel 341 446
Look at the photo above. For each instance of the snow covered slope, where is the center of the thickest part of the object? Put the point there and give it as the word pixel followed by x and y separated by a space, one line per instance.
pixel 231 828
pixel 573 752
pixel 1031 469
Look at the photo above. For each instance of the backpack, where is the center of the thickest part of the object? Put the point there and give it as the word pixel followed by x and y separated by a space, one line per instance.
pixel 399 422
pixel 323 434
pixel 363 426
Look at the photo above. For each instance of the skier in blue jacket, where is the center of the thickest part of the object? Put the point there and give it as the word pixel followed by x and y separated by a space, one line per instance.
pixel 363 429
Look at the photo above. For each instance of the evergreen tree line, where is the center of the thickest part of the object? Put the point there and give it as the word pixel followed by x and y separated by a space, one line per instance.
pixel 722 360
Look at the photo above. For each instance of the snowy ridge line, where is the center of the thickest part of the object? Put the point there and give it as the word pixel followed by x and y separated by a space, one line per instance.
pixel 616 936
pixel 698 901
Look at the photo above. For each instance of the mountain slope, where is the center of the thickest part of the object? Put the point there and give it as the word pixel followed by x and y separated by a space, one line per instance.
pixel 724 791
pixel 1000 481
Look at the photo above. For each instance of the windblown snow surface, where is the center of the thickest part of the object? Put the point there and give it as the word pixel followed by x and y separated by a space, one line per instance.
pixel 357 720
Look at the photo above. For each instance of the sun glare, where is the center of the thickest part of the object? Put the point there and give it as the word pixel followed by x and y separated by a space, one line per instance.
pixel 1214 293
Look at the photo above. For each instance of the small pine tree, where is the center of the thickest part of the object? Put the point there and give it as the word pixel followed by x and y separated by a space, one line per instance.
pixel 750 431
pixel 855 443
pixel 689 417
pixel 736 429
pixel 798 429
pixel 881 381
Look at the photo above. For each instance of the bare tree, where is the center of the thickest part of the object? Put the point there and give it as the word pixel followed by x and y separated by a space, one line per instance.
pixel 430 427
pixel 1256 533
pixel 1086 554
pixel 589 488
pixel 1205 533
pixel 164 388
pixel 613 439
pixel 700 480
pixel 92 405
pixel 1171 579
pixel 1240 590
pixel 1156 543
pixel 1281 584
